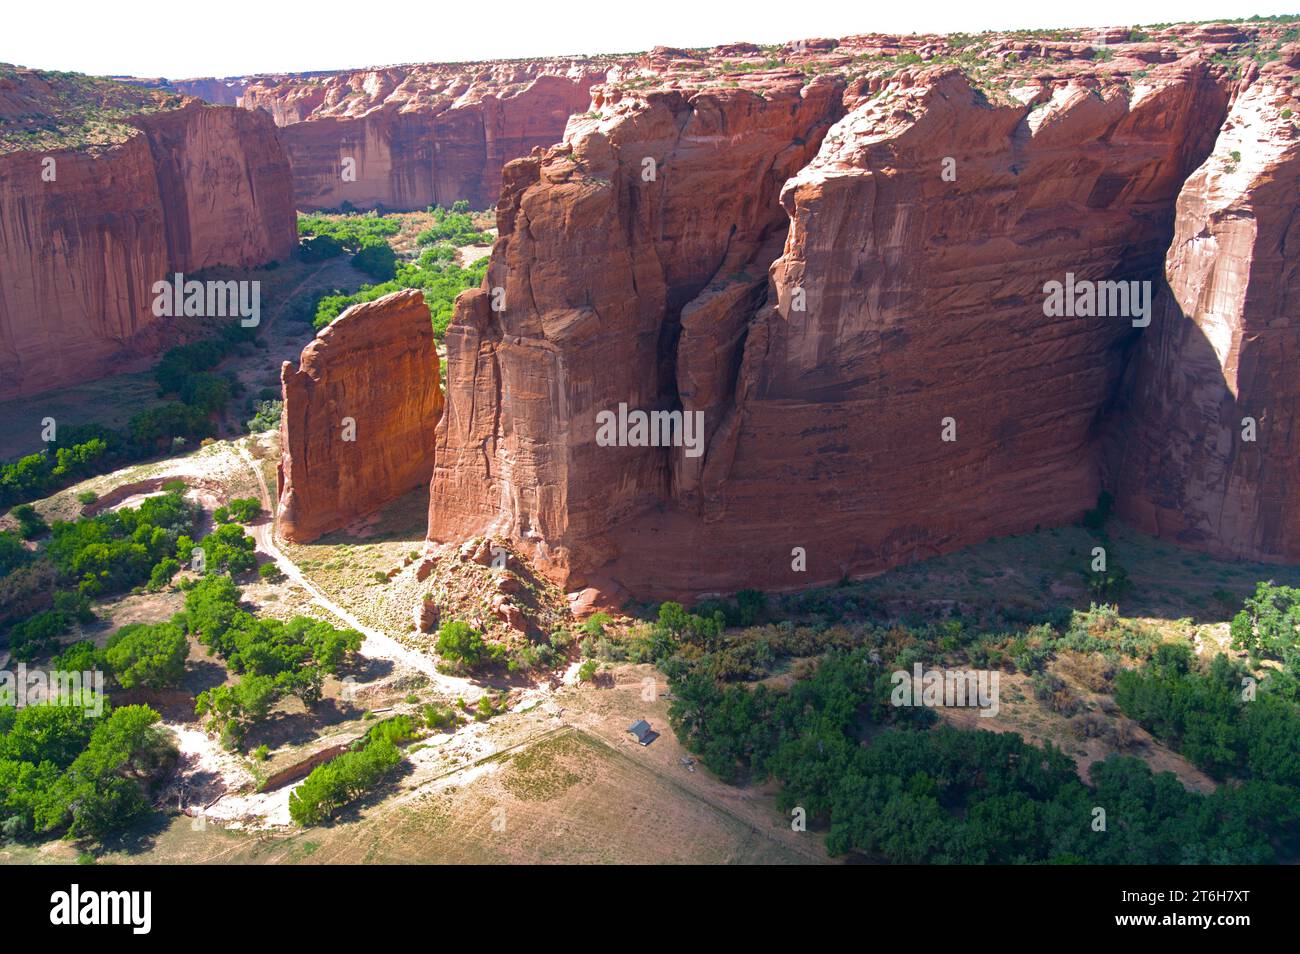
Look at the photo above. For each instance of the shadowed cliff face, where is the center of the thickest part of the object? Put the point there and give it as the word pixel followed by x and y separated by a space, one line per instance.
pixel 359 414
pixel 186 189
pixel 829 304
pixel 1222 349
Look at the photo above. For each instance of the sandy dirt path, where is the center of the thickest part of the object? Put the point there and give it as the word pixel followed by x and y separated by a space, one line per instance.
pixel 377 645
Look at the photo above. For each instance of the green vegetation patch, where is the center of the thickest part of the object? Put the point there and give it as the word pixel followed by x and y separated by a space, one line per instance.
pixel 55 110
pixel 365 237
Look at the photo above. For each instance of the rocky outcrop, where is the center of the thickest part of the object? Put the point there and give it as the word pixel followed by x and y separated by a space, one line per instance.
pixel 1209 426
pixel 411 137
pixel 604 240
pixel 85 232
pixel 78 256
pixel 858 315
pixel 359 414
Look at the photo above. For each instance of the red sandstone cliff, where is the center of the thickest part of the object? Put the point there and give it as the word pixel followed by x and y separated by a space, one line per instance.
pixel 220 91
pixel 359 415
pixel 591 305
pixel 419 135
pixel 1223 349
pixel 924 301
pixel 181 190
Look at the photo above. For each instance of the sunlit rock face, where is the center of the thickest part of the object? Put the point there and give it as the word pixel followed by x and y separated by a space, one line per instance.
pixel 415 136
pixel 849 284
pixel 359 414
pixel 187 189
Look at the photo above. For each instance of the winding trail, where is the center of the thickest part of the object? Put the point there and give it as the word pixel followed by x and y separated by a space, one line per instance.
pixel 377 645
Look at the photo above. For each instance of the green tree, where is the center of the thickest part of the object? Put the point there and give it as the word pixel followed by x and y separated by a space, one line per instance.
pixel 152 657
pixel 342 780
pixel 1269 622
pixel 461 643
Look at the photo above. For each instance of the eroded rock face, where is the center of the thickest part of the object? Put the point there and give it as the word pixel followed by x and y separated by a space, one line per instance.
pixel 605 239
pixel 359 415
pixel 220 91
pixel 222 180
pixel 1222 353
pixel 419 136
pixel 922 303
pixel 186 189
pixel 924 320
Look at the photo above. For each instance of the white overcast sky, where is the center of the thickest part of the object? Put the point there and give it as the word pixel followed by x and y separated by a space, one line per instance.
pixel 182 38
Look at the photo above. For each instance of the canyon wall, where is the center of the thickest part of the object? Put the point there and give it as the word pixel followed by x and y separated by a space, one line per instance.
pixel 412 137
pixel 1209 425
pixel 223 182
pixel 219 91
pixel 847 281
pixel 83 240
pixel 359 415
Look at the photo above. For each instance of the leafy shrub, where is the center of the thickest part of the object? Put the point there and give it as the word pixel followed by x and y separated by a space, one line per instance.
pixel 1269 622
pixel 239 510
pixel 377 259
pixel 461 643
pixel 37 634
pixel 266 416
pixel 163 572
pixel 395 729
pixel 276 658
pixel 12 552
pixel 453 226
pixel 229 548
pixel 81 656
pixel 443 718
pixel 440 279
pixel 30 523
pixel 58 772
pixel 344 779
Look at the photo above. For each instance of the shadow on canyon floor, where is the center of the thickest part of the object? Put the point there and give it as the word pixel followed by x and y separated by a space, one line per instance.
pixel 1037 576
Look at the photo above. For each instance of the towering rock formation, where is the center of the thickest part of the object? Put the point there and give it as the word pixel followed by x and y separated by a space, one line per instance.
pixel 858 314
pixel 359 415
pixel 87 227
pixel 410 137
pixel 1210 421
pixel 658 198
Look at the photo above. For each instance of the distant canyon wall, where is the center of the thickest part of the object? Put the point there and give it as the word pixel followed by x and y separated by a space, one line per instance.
pixel 192 188
pixel 409 138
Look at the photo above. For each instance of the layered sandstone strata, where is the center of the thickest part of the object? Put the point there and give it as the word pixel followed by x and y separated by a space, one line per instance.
pixel 359 415
pixel 1210 421
pixel 835 303
pixel 86 231
pixel 412 137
